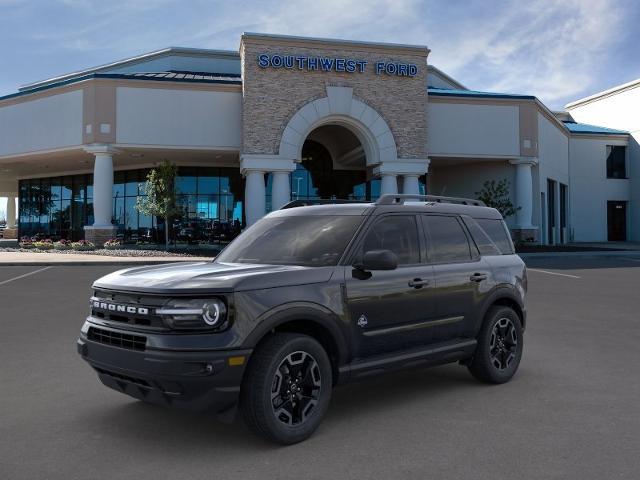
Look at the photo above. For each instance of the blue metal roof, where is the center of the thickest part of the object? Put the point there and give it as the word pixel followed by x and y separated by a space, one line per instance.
pixel 172 76
pixel 594 129
pixel 450 92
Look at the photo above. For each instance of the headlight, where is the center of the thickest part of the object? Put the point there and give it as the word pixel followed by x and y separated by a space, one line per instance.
pixel 208 313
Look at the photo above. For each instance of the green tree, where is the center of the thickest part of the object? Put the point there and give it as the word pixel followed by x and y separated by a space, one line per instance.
pixel 160 199
pixel 496 195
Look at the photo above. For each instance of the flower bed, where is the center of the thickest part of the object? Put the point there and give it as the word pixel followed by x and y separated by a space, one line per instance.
pixel 83 246
pixel 113 244
pixel 62 245
pixel 43 244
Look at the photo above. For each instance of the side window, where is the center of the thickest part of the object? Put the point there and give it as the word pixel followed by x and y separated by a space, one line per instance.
pixel 448 240
pixel 398 233
pixel 497 232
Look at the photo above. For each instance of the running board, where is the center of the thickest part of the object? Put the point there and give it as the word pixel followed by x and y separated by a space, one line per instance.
pixel 434 355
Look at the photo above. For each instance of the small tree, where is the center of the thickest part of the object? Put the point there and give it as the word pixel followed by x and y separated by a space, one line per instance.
pixel 160 199
pixel 496 194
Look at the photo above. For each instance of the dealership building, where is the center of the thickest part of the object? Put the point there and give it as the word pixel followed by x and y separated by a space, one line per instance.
pixel 305 118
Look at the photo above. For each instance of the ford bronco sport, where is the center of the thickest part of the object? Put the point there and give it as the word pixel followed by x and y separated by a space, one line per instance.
pixel 310 297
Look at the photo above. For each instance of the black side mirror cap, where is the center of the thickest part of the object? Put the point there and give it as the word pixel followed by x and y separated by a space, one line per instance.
pixel 378 260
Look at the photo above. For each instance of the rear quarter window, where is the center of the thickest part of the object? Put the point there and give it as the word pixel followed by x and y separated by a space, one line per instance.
pixel 496 239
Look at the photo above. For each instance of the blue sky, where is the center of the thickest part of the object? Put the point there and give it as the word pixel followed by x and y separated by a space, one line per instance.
pixel 557 50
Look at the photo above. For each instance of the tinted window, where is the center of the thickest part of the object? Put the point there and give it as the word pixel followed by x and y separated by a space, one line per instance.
pixel 485 245
pixel 396 233
pixel 448 241
pixel 498 233
pixel 616 162
pixel 312 241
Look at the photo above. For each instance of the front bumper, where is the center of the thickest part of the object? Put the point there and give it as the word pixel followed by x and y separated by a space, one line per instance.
pixel 201 380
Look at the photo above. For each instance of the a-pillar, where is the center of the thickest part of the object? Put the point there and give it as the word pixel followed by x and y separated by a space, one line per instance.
pixel 102 228
pixel 524 228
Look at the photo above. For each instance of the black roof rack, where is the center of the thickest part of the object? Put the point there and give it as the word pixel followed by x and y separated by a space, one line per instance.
pixel 320 201
pixel 393 199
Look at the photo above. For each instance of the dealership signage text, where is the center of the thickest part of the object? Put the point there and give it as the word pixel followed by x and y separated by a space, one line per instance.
pixel 329 64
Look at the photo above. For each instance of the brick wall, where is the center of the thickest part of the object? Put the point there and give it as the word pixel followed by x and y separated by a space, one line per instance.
pixel 271 96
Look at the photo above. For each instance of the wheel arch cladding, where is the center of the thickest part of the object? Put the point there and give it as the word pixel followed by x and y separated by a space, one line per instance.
pixel 508 301
pixel 320 325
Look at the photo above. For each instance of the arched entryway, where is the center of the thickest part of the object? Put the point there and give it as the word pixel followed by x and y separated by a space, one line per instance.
pixel 333 165
pixel 333 147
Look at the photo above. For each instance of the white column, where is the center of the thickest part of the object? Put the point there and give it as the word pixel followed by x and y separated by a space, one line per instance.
pixel 524 192
pixel 254 196
pixel 389 184
pixel 11 212
pixel 410 184
pixel 280 190
pixel 103 189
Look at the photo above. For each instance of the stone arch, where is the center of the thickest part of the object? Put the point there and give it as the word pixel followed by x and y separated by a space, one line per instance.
pixel 339 107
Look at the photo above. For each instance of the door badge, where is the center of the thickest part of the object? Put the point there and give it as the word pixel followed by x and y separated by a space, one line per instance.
pixel 362 321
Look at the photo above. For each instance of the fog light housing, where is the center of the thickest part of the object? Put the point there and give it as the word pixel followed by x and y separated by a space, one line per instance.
pixel 197 314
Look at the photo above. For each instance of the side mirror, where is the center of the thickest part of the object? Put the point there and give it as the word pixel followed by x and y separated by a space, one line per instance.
pixel 378 260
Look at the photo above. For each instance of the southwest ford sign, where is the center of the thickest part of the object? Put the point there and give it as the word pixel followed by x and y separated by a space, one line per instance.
pixel 341 65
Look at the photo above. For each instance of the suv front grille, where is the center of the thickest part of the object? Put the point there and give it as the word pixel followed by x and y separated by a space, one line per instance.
pixel 117 339
pixel 128 309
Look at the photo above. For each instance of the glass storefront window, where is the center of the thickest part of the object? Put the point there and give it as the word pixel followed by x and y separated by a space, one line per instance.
pixel 211 199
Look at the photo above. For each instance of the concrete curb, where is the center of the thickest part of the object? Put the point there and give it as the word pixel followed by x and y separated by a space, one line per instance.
pixel 92 264
pixel 600 253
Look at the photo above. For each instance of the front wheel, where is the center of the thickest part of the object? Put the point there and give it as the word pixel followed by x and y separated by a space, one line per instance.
pixel 287 388
pixel 499 349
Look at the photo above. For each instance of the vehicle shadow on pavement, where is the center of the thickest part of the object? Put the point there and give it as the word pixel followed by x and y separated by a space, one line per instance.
pixel 151 427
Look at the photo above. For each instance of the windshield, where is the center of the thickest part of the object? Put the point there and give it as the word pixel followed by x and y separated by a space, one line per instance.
pixel 313 241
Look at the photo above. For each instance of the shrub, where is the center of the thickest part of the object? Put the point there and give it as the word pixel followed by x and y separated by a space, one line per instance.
pixel 113 244
pixel 83 245
pixel 43 244
pixel 62 245
pixel 25 242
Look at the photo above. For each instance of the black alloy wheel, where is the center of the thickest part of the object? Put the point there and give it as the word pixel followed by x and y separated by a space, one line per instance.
pixel 499 347
pixel 287 387
pixel 296 388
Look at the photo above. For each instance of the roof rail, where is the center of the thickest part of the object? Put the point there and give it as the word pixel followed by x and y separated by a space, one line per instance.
pixel 319 201
pixel 392 199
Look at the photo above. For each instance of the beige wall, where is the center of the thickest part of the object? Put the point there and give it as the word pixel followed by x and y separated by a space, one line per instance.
pixel 272 96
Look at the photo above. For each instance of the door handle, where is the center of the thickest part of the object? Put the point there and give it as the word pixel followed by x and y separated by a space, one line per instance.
pixel 478 277
pixel 418 283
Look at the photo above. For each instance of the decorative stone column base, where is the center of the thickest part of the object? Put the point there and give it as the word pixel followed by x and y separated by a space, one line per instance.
pixel 524 234
pixel 10 233
pixel 99 235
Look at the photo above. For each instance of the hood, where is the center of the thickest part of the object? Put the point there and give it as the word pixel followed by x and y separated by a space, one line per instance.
pixel 209 277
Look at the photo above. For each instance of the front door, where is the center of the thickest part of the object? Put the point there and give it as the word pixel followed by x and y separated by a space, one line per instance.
pixel 617 221
pixel 389 310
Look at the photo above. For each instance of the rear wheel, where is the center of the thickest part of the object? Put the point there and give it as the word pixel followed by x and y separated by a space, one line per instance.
pixel 499 349
pixel 287 389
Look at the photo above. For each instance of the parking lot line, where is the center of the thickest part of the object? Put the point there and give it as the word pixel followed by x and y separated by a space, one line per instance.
pixel 25 275
pixel 552 273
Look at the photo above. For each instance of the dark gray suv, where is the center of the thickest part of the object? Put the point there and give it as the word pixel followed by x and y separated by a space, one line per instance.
pixel 310 297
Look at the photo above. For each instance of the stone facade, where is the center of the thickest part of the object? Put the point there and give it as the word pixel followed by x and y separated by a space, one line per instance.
pixel 272 96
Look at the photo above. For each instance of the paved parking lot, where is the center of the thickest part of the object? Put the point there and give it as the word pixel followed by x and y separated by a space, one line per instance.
pixel 573 410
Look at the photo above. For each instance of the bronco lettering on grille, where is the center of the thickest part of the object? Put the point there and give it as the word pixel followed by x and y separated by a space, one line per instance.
pixel 113 307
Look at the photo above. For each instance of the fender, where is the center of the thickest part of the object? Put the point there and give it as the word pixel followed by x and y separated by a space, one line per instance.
pixel 501 292
pixel 307 311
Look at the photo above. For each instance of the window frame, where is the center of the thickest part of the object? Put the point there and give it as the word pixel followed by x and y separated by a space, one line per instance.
pixel 608 150
pixel 474 253
pixel 361 234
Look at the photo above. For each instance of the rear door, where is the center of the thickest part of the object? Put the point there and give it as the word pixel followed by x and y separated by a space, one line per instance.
pixel 462 277
pixel 389 310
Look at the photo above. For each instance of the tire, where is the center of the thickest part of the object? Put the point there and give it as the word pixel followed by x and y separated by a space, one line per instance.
pixel 297 369
pixel 499 349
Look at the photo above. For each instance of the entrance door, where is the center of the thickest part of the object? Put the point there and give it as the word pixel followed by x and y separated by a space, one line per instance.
pixel 390 310
pixel 617 221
